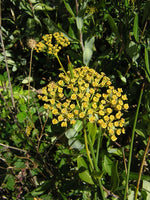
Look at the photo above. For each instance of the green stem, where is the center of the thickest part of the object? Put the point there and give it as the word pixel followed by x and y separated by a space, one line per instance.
pixel 61 66
pixel 87 149
pixel 95 165
pixel 99 141
pixel 31 56
pixel 141 169
pixel 132 140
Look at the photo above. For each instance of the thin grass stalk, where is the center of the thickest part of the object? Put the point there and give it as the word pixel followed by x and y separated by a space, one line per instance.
pixel 141 169
pixel 7 69
pixel 31 56
pixel 132 140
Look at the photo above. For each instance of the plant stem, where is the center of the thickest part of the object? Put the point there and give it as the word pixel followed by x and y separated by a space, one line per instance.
pixel 95 165
pixel 99 141
pixel 31 56
pixel 86 147
pixel 7 69
pixel 141 169
pixel 61 66
pixel 132 140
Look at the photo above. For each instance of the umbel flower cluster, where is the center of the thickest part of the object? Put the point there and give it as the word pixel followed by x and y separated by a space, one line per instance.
pixel 86 95
pixel 52 43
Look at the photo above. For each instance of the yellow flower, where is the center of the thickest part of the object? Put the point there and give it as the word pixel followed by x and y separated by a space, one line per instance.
pixel 60 118
pixel 80 95
pixel 61 95
pixel 58 105
pixel 101 112
pixel 64 124
pixel 73 121
pixel 118 107
pixel 109 110
pixel 75 89
pixel 113 138
pixel 103 102
pixel 55 111
pixel 54 121
pixel 44 98
pixel 82 115
pixel 95 99
pixel 92 91
pixel 85 105
pixel 64 111
pixel 103 125
pixel 72 106
pixel 92 119
pixel 124 97
pixel 52 101
pixel 76 112
pixel 61 83
pixel 73 96
pixel 94 105
pixel 126 106
pixel 118 115
pixel 70 115
pixel 46 106
pixel 123 130
pixel 111 131
pixel 106 118
pixel 118 131
pixel 111 117
pixel 90 111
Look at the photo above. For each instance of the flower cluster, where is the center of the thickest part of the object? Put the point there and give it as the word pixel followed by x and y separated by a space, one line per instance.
pixel 52 43
pixel 86 95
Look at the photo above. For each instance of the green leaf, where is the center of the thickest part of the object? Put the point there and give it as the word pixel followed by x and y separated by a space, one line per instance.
pixel 112 24
pixel 27 80
pixel 71 133
pixel 114 176
pixel 69 8
pixel 139 132
pixel 79 22
pixel 83 170
pixel 146 186
pixel 75 144
pixel 136 28
pixel 88 50
pixel 23 107
pixel 19 164
pixel 10 182
pixel 78 125
pixel 21 116
pixel 146 12
pixel 41 189
pixel 92 129
pixel 42 7
pixel 107 165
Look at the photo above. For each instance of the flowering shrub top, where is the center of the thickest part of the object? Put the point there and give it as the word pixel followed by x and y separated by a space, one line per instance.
pixel 86 94
pixel 52 43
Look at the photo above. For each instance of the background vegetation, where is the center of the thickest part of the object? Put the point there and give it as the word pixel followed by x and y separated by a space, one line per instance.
pixel 36 159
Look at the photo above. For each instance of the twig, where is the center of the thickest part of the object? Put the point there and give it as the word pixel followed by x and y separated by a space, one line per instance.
pixel 15 148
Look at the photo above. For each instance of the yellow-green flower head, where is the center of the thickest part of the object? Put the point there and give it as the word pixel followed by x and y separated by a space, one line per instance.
pixel 89 96
pixel 47 45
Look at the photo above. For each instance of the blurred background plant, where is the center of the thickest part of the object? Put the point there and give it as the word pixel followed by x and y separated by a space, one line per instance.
pixel 37 158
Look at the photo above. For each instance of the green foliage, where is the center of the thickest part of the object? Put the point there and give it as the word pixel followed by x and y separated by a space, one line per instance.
pixel 40 160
